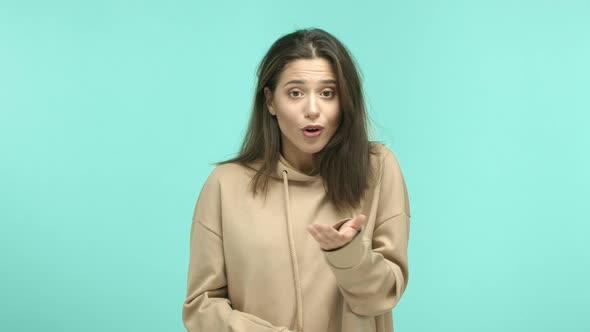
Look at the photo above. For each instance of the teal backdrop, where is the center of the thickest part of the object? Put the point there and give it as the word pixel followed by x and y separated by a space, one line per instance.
pixel 111 113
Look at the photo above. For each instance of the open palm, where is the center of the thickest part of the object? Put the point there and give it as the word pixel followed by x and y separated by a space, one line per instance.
pixel 331 238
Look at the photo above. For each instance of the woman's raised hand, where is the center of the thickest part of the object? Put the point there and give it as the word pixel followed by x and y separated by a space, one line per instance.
pixel 330 239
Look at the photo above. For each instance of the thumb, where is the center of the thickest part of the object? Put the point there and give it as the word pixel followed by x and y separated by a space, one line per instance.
pixel 358 222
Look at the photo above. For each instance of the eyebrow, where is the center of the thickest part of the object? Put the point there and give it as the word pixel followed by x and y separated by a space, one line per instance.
pixel 303 82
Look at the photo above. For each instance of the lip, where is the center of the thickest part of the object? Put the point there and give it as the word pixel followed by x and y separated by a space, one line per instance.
pixel 320 127
pixel 316 133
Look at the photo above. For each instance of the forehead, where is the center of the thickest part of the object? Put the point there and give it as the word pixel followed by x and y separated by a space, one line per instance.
pixel 308 69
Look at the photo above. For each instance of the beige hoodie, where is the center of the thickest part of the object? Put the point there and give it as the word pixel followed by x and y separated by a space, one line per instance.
pixel 254 267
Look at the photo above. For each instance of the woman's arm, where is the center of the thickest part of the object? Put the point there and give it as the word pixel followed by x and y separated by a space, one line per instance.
pixel 372 273
pixel 207 307
pixel 373 276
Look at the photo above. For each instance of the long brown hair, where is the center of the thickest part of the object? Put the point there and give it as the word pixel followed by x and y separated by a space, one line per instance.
pixel 344 163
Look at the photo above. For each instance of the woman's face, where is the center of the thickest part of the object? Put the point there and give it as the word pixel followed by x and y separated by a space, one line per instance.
pixel 306 105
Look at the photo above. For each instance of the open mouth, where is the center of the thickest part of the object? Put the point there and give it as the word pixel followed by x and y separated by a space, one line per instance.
pixel 312 131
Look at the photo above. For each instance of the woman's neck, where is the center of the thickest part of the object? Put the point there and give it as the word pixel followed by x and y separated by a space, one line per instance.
pixel 302 162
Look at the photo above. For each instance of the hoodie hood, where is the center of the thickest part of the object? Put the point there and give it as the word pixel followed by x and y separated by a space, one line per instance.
pixel 283 165
pixel 293 173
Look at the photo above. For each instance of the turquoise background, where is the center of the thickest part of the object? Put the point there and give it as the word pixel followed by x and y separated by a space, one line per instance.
pixel 112 111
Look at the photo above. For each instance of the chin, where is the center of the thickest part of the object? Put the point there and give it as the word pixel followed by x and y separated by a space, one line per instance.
pixel 312 149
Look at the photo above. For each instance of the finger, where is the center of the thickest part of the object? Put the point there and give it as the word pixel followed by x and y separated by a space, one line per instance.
pixel 319 232
pixel 353 228
pixel 348 233
pixel 359 221
pixel 332 234
pixel 311 229
pixel 326 231
pixel 331 238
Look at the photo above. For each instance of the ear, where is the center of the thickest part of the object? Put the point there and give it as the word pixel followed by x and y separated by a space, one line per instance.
pixel 269 101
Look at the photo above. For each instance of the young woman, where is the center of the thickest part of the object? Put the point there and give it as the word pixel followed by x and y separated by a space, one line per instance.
pixel 307 228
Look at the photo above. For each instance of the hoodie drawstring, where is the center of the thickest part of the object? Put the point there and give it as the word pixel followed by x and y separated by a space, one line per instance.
pixel 293 254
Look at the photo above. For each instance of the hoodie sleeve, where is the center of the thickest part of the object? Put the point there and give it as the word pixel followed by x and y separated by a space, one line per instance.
pixel 207 307
pixel 372 273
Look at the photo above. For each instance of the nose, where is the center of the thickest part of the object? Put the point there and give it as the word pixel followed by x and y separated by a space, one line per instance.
pixel 312 111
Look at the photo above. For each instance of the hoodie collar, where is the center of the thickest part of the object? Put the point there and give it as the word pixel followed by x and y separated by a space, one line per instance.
pixel 292 173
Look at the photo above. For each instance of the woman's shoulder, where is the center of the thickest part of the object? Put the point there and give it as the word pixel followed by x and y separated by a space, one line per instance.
pixel 227 170
pixel 391 180
pixel 383 159
pixel 377 148
pixel 379 153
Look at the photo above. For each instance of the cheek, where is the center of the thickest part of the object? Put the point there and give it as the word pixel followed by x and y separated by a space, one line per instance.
pixel 335 118
pixel 335 124
pixel 286 122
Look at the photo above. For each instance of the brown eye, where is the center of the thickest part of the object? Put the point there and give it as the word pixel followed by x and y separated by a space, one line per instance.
pixel 330 93
pixel 292 92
